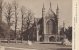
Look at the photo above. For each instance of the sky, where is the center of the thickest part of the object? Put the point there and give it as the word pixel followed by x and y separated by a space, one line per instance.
pixel 65 8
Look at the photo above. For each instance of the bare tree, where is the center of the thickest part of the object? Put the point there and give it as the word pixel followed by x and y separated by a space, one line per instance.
pixel 23 12
pixel 1 7
pixel 1 2
pixel 15 5
pixel 29 21
pixel 8 14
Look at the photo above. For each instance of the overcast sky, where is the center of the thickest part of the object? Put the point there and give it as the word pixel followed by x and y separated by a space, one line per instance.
pixel 65 8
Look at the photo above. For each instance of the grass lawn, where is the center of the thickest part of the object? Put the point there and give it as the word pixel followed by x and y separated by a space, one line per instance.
pixel 36 46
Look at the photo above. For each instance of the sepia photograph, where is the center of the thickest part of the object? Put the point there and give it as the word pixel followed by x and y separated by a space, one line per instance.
pixel 35 24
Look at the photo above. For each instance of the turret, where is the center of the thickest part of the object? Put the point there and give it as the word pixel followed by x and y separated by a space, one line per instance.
pixel 50 6
pixel 43 11
pixel 57 10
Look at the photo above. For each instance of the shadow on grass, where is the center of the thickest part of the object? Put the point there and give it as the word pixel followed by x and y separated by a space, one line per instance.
pixel 64 49
pixel 10 41
pixel 61 49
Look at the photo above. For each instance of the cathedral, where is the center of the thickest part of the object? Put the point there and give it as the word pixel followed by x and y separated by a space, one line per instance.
pixel 47 26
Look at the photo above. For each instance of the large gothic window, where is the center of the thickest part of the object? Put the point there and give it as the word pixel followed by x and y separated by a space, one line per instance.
pixel 49 27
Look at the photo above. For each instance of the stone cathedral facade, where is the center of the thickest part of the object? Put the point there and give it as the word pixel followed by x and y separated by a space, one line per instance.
pixel 47 27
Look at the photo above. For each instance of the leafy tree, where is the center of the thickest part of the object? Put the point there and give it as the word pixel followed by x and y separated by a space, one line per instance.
pixel 68 33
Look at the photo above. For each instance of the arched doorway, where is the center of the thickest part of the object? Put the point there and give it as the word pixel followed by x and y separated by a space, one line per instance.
pixel 52 39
